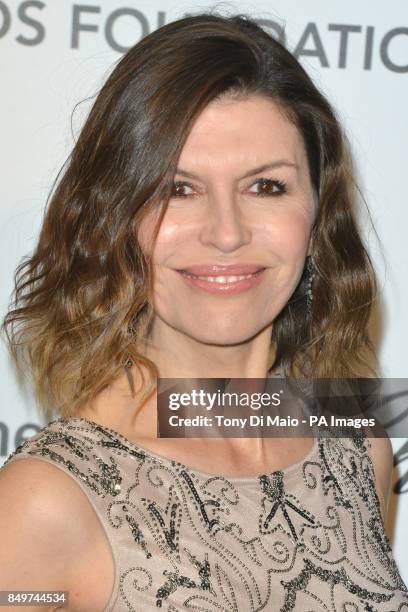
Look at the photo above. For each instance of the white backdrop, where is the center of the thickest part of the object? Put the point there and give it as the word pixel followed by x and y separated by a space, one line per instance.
pixel 55 53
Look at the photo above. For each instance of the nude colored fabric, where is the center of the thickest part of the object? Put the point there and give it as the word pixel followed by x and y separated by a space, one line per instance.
pixel 306 538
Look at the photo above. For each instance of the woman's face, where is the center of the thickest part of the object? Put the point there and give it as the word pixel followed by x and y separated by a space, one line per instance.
pixel 242 206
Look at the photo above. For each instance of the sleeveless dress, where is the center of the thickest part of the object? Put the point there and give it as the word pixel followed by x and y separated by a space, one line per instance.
pixel 307 538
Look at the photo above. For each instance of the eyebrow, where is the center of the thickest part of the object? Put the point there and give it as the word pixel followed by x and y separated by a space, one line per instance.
pixel 268 166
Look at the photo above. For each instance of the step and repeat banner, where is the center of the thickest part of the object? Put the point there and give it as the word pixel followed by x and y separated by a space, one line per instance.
pixel 55 54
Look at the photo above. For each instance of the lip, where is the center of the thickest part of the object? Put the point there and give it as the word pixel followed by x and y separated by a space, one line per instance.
pixel 255 275
pixel 219 269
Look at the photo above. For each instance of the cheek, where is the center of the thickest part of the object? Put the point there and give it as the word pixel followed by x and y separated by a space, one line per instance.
pixel 172 235
pixel 288 234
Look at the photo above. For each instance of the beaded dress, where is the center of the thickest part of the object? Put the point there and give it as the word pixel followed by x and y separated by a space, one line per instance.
pixel 307 538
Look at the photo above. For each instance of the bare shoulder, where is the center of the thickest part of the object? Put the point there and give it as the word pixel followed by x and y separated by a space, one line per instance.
pixel 53 533
pixel 381 454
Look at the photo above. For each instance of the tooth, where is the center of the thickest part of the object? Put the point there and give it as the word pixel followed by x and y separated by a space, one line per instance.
pixel 225 279
pixel 221 279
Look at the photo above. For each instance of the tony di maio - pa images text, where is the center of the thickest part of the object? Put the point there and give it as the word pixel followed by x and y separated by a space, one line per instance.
pixel 268 421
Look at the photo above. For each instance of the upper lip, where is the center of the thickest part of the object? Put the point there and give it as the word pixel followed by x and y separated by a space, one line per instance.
pixel 218 270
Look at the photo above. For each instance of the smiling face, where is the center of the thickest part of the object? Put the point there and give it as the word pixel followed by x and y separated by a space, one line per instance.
pixel 239 219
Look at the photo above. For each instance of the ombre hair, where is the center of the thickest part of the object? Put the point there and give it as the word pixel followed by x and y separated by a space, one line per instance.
pixel 83 301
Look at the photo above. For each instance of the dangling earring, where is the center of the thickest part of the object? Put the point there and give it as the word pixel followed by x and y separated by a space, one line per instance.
pixel 127 363
pixel 309 291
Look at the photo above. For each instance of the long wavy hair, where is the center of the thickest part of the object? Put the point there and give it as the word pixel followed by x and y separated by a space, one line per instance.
pixel 84 299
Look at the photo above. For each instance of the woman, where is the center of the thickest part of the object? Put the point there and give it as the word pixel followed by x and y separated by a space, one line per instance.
pixel 209 187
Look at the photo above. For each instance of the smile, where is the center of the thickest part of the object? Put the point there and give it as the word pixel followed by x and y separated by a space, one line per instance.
pixel 221 279
pixel 223 284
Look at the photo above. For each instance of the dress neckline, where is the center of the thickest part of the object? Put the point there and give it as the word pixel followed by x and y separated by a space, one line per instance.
pixel 289 471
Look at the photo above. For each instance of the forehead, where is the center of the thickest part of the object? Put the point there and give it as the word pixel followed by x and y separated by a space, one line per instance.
pixel 249 130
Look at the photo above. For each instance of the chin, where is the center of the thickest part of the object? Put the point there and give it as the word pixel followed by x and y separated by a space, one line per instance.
pixel 222 336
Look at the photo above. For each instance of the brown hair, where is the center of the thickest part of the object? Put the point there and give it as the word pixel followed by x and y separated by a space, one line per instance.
pixel 84 297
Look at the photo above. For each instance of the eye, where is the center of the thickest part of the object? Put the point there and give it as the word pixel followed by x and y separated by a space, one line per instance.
pixel 177 190
pixel 269 187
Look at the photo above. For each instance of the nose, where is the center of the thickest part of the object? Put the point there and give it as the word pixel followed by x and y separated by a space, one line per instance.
pixel 225 226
